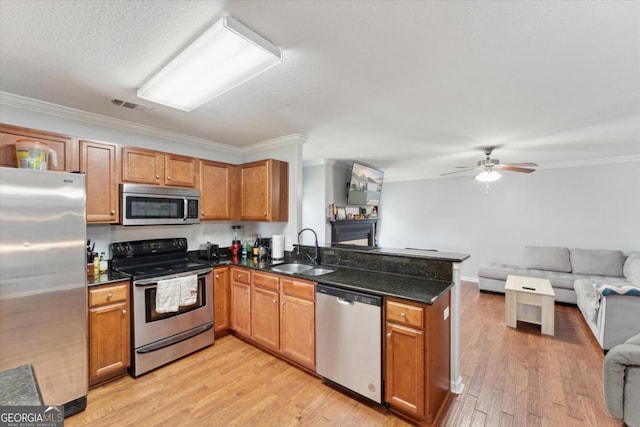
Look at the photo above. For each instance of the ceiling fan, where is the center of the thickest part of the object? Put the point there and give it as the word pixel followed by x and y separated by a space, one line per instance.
pixel 488 168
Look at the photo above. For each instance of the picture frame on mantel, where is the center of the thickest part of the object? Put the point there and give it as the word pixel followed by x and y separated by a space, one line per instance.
pixel 342 213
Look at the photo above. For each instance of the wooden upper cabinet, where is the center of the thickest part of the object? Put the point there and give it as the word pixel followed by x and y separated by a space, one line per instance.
pixel 65 146
pixel 264 191
pixel 144 166
pixel 180 171
pixel 99 163
pixel 218 185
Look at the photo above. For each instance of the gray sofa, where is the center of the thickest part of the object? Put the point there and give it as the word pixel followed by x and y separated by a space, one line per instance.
pixel 621 381
pixel 573 274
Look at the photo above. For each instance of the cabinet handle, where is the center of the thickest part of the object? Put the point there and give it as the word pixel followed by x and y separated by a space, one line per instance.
pixel 217 276
pixel 265 214
pixel 246 292
pixel 157 176
pixel 202 213
pixel 275 301
pixel 403 315
pixel 124 311
pixel 109 295
pixel 113 212
pixel 168 178
pixel 389 334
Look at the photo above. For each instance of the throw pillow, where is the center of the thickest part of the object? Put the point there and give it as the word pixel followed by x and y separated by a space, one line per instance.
pixel 631 268
pixel 604 290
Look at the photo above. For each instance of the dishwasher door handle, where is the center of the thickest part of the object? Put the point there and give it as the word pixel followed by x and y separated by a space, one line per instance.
pixel 344 301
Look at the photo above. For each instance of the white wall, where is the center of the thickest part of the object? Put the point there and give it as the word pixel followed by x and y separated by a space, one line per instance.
pixel 314 204
pixel 581 207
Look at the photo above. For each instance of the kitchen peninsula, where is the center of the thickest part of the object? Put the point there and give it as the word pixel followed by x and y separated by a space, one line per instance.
pixel 420 323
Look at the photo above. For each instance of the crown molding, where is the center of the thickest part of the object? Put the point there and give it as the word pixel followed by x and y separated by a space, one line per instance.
pixel 38 106
pixel 318 162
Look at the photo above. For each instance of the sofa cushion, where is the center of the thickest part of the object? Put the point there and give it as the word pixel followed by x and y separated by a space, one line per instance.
pixel 632 268
pixel 597 261
pixel 548 258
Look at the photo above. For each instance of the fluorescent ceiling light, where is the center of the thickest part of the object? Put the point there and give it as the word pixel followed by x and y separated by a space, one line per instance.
pixel 488 176
pixel 225 56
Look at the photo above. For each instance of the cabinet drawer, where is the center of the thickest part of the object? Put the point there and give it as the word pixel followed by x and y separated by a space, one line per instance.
pixel 108 294
pixel 297 288
pixel 405 314
pixel 267 281
pixel 241 275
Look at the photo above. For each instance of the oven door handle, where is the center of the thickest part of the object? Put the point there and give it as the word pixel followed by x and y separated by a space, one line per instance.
pixel 154 281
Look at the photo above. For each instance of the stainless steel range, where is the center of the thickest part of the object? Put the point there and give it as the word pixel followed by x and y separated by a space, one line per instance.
pixel 172 301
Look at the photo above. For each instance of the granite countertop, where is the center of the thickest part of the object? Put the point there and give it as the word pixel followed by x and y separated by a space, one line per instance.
pixel 19 387
pixel 109 276
pixel 374 282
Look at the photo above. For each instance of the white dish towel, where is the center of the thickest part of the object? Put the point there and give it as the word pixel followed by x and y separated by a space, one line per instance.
pixel 189 290
pixel 168 294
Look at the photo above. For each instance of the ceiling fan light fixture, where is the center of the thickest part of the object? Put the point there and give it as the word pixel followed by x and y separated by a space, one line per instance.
pixel 488 176
pixel 225 56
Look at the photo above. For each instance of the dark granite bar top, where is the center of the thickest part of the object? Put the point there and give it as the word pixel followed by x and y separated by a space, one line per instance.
pixel 109 276
pixel 19 387
pixel 413 288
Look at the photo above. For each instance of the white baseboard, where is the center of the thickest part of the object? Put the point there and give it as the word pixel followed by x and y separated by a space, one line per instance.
pixel 469 279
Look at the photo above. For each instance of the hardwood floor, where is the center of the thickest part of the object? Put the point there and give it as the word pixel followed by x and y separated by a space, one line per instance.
pixel 513 377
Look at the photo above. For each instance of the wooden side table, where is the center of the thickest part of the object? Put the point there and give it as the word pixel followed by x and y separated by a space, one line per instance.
pixel 521 292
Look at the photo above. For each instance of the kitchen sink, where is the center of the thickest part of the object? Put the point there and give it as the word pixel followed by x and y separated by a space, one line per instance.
pixel 318 271
pixel 306 269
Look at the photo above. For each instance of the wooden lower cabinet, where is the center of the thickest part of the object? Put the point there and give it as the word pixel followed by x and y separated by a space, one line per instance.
pixel 109 331
pixel 417 353
pixel 282 313
pixel 221 300
pixel 241 301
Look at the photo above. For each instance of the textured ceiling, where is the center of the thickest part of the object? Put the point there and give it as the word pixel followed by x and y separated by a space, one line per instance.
pixel 412 87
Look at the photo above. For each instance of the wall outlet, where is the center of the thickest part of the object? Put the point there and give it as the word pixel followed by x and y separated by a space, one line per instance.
pixel 446 313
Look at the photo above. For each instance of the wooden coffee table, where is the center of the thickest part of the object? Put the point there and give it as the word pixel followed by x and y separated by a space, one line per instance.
pixel 531 300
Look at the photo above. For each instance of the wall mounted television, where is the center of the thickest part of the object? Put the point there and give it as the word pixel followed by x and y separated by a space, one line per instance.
pixel 365 186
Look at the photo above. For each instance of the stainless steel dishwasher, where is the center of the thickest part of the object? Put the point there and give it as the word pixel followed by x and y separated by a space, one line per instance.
pixel 348 340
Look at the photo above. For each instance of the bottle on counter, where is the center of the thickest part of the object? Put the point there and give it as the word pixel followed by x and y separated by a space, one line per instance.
pixel 256 246
pixel 104 265
pixel 245 245
pixel 96 263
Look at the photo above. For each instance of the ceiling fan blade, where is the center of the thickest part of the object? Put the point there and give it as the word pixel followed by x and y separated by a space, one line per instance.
pixel 461 170
pixel 521 164
pixel 515 169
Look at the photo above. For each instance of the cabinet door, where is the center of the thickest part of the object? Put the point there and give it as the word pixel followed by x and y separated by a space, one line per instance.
pixel 142 166
pixel 66 147
pixel 216 181
pixel 241 308
pixel 265 309
pixel 405 384
pixel 109 350
pixel 180 171
pixel 221 299
pixel 98 162
pixel 297 330
pixel 264 191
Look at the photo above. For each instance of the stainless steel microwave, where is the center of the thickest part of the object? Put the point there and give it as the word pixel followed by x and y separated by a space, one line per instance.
pixel 151 205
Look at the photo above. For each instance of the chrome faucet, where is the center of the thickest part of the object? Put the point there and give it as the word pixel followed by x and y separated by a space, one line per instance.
pixel 316 258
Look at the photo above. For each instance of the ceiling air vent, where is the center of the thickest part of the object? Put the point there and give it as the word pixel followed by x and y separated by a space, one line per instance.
pixel 130 105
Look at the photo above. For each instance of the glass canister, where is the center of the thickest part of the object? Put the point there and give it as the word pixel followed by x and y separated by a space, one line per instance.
pixel 33 154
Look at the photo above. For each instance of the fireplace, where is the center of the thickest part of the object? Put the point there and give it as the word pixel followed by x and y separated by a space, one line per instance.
pixel 354 233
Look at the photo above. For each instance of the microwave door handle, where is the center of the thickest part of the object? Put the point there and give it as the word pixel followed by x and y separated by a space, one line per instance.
pixel 186 209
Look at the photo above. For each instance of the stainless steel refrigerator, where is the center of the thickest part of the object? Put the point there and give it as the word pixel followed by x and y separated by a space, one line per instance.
pixel 43 284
